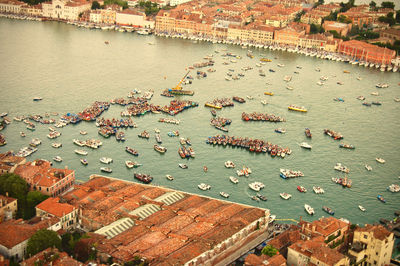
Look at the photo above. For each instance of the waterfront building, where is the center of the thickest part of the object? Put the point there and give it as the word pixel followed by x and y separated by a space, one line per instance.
pixel 11 6
pixel 130 17
pixel 252 33
pixel 319 42
pixel 391 34
pixel 372 245
pixel 8 208
pixel 64 9
pixel 331 229
pixel 288 36
pixel 9 162
pixel 163 225
pixel 95 16
pixel 366 52
pixel 14 235
pixel 341 28
pixel 34 10
pixel 358 18
pixel 42 177
pixel 315 252
pixel 51 256
pixel 66 213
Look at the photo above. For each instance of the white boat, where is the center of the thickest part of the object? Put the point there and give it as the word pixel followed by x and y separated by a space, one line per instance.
pixel 183 166
pixel 78 142
pixel 272 218
pixel 84 161
pixel 204 186
pixel 305 145
pixel 369 168
pixel 82 132
pixel 285 196
pixel 56 145
pixel 81 152
pixel 318 190
pixel 256 186
pixel 106 169
pixel 264 102
pixel 106 160
pixel 156 130
pixel 35 142
pixel 341 168
pixel 380 160
pixel 22 134
pixel 361 208
pixel 169 177
pixel 224 194
pixel 234 180
pixel 394 188
pixel 229 164
pixel 309 209
pixel 375 93
pixel 57 159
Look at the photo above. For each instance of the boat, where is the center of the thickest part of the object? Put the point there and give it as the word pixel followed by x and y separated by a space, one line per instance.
pixel 169 177
pixel 57 159
pixel 261 197
pixel 394 188
pixel 158 138
pixel 301 189
pixel 380 160
pixel 106 160
pixel 255 198
pixel 380 198
pixel 229 164
pixel 346 71
pixel 369 168
pixel 341 168
pixel 213 112
pixel 131 164
pixel 22 134
pixel 159 148
pixel 265 60
pixel 264 102
pixel 269 93
pixel 361 98
pixel 367 104
pixel 318 190
pixel 84 161
pixel 82 132
pixel 271 219
pixel 309 209
pixel 183 166
pixel 328 210
pixel 144 135
pixel 286 173
pixel 280 130
pixel 297 108
pixel 285 196
pixel 78 142
pixel 361 208
pixel 205 169
pixel 305 145
pixel 308 133
pixel 36 99
pixel 224 194
pixel 256 186
pixel 120 136
pixel 346 146
pixel 143 177
pixel 212 105
pixel 106 169
pixel 204 186
pixel 376 103
pixel 131 151
pixel 234 180
pixel 238 99
pixel 35 142
pixel 81 152
pixel 375 93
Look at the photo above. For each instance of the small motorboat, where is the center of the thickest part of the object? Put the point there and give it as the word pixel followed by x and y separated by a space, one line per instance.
pixel 328 210
pixel 159 148
pixel 309 209
pixel 305 145
pixel 36 99
pixel 106 160
pixel 261 197
pixel 57 159
pixel 169 177
pixel 234 180
pixel 82 132
pixel 307 131
pixel 131 164
pixel 56 145
pixel 255 198
pixel 183 166
pixel 81 152
pixel 380 198
pixel 318 190
pixel 285 196
pixel 205 169
pixel 301 189
pixel 346 146
pixel 229 164
pixel 106 169
pixel 361 98
pixel 280 130
pixel 224 194
pixel 380 160
pixel 369 168
pixel 84 161
pixel 269 93
pixel 264 102
pixel 22 134
pixel 394 188
pixel 213 112
pixel 361 208
pixel 204 186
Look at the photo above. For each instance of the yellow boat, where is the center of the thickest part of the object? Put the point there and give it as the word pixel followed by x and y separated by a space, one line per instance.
pixel 265 60
pixel 269 93
pixel 346 71
pixel 213 105
pixel 297 108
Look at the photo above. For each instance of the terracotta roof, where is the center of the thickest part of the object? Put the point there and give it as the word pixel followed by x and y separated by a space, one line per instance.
pixel 63 258
pixel 54 207
pixel 324 226
pixel 254 260
pixel 378 231
pixel 4 200
pixel 286 238
pixel 277 260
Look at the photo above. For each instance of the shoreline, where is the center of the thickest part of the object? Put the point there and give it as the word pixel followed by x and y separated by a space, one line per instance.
pixel 312 52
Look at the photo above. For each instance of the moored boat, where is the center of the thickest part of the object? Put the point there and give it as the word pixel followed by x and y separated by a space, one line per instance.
pixel 301 189
pixel 307 131
pixel 224 194
pixel 131 164
pixel 285 196
pixel 318 190
pixel 106 160
pixel 183 166
pixel 106 169
pixel 394 188
pixel 143 177
pixel 131 151
pixel 297 108
pixel 309 209
pixel 81 152
pixel 261 197
pixel 305 145
pixel 369 168
pixel 328 210
pixel 169 177
pixel 341 168
pixel 57 159
pixel 229 164
pixel 84 161
pixel 269 93
pixel 380 160
pixel 361 208
pixel 380 198
pixel 204 186
pixel 346 146
pixel 159 148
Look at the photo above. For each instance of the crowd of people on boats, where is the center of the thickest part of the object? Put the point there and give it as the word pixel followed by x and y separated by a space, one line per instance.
pixel 333 134
pixel 115 122
pixel 252 145
pixel 223 102
pixel 220 123
pixel 169 121
pixel 255 116
pixel 140 108
pixel 177 106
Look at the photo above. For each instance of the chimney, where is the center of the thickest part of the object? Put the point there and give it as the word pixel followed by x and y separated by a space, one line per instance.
pixel 6 194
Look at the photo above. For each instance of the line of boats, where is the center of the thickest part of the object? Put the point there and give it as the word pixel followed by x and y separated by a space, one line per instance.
pixel 255 116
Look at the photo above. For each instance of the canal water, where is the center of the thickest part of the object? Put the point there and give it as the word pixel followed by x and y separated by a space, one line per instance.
pixel 72 67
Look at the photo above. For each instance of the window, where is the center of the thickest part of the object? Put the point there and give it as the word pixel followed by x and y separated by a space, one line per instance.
pixel 366 236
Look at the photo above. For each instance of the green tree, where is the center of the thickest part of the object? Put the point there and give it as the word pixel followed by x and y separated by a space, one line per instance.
pixel 316 29
pixel 387 5
pixel 372 4
pixel 269 251
pixel 298 16
pixel 33 198
pixel 41 240
pixel 16 187
pixel 398 16
pixel 344 19
pixel 96 5
pixel 332 16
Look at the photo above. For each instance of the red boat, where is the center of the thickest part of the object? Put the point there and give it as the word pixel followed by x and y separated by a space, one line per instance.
pixel 301 189
pixel 143 177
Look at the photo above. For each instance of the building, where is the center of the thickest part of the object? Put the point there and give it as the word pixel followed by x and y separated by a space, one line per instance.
pixel 392 34
pixel 372 245
pixel 11 6
pixel 129 17
pixel 14 235
pixel 33 11
pixel 288 36
pixel 65 10
pixel 252 33
pixel 341 28
pixel 254 260
pixel 52 207
pixel 8 208
pixel 285 239
pixel 9 162
pixel 42 177
pixel 366 52
pixel 178 2
pixel 163 225
pixel 331 229
pixel 51 256
pixel 315 252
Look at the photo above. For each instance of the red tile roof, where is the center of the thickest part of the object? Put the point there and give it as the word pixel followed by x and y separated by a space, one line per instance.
pixel 54 207
pixel 378 231
pixel 61 260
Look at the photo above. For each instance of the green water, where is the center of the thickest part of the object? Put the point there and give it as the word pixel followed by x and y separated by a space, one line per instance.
pixel 72 67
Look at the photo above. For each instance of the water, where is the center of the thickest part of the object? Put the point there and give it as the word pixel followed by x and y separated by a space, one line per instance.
pixel 71 68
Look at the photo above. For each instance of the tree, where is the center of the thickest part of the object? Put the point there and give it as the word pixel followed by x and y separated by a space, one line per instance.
pixel 16 187
pixel 33 198
pixel 372 5
pixel 398 16
pixel 298 16
pixel 96 5
pixel 387 5
pixel 269 251
pixel 316 29
pixel 344 19
pixel 41 240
